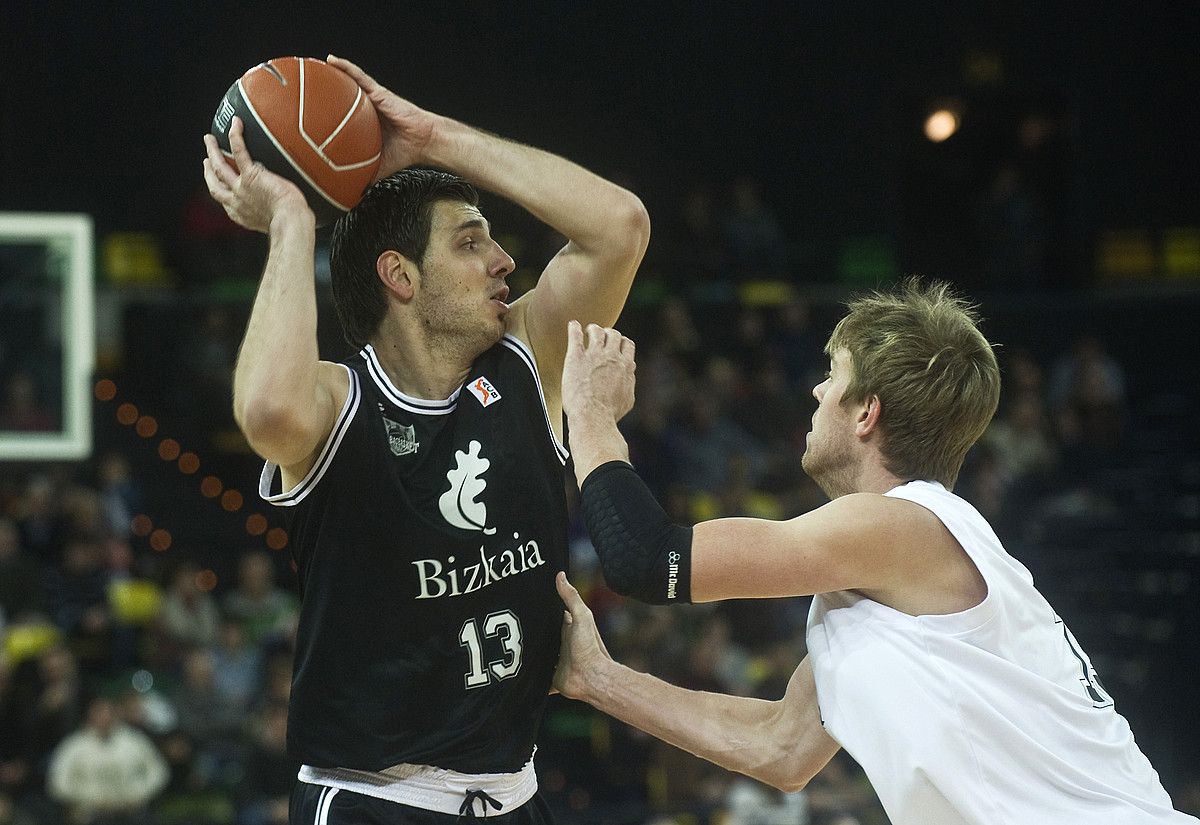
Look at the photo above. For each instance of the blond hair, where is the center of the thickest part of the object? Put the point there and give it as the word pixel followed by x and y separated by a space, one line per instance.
pixel 920 351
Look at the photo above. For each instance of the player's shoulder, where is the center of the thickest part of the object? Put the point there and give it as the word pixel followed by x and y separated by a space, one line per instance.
pixel 868 508
pixel 866 519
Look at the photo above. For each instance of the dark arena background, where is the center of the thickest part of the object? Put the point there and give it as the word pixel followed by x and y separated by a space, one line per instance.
pixel 789 154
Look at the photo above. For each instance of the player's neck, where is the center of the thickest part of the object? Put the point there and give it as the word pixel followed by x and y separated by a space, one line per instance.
pixel 875 478
pixel 865 476
pixel 419 367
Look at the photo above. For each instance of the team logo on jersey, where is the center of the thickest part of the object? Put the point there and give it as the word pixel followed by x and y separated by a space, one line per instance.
pixel 402 438
pixel 458 504
pixel 483 391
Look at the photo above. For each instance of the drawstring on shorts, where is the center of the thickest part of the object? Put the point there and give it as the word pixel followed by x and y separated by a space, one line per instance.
pixel 467 809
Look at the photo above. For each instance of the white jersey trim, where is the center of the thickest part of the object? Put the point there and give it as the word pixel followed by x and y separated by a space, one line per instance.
pixel 411 403
pixel 292 497
pixel 522 349
pixel 430 788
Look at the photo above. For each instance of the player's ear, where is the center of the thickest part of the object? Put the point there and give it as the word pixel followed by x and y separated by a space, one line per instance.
pixel 869 413
pixel 397 274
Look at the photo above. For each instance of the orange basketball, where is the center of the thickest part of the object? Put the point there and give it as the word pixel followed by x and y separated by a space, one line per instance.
pixel 310 123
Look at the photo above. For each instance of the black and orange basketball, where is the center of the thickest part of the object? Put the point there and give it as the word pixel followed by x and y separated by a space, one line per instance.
pixel 310 123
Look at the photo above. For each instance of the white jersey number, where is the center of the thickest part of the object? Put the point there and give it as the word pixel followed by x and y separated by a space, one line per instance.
pixel 504 625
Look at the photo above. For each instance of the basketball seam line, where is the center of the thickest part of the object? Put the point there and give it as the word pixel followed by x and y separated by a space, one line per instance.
pixel 320 150
pixel 316 187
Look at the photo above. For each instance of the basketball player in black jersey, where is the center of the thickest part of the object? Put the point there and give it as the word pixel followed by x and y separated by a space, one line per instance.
pixel 422 478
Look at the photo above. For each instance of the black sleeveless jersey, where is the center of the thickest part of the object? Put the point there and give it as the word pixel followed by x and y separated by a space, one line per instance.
pixel 427 536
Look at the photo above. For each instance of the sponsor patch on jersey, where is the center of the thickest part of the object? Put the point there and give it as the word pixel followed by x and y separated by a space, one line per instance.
pixel 483 391
pixel 402 438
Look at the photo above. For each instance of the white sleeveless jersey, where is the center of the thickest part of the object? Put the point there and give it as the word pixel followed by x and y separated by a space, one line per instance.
pixel 991 716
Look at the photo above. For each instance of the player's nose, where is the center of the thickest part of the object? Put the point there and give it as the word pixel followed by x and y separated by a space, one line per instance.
pixel 503 264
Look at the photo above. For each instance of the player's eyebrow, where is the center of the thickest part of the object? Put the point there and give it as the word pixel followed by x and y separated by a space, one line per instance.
pixel 472 223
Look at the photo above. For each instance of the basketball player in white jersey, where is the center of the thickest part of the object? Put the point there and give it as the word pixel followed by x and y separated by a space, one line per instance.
pixel 933 660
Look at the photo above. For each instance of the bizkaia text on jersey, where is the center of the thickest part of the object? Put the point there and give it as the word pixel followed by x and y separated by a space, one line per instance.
pixel 435 580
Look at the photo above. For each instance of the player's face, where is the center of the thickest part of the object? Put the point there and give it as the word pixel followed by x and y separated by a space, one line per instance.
pixel 828 455
pixel 463 292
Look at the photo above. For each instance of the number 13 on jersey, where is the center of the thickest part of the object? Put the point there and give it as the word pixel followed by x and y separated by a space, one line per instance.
pixel 503 625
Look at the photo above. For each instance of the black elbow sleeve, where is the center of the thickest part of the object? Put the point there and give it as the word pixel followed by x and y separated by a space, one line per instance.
pixel 643 554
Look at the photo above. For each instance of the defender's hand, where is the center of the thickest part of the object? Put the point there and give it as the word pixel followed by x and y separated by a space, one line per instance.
pixel 582 651
pixel 407 128
pixel 251 195
pixel 598 373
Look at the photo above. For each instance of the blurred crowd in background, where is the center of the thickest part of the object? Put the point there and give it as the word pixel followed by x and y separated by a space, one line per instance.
pixel 789 154
pixel 148 618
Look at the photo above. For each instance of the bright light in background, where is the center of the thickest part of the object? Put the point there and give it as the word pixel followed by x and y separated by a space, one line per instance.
pixel 941 124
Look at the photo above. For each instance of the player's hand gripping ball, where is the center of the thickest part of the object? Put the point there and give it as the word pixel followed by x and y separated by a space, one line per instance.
pixel 310 123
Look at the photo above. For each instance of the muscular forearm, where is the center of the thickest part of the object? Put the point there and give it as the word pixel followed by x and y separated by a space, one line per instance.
pixel 588 210
pixel 278 360
pixel 738 733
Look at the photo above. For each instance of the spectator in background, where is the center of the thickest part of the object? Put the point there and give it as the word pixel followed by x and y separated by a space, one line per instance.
pixel 1086 374
pixel 1087 392
pixel 120 494
pixel 706 442
pixel 753 803
pixel 645 430
pixel 21 591
pixel 677 342
pixel 1021 439
pixel 83 513
pixel 77 597
pixel 749 345
pixel 263 608
pixel 148 710
pixel 238 665
pixel 14 737
pixel 1013 225
pixel 277 679
pixel 690 241
pixel 57 703
pixel 769 408
pixel 270 772
pixel 210 367
pixel 21 410
pixel 797 346
pixel 754 243
pixel 1022 373
pixel 12 814
pixel 106 773
pixel 204 716
pixel 189 615
pixel 38 520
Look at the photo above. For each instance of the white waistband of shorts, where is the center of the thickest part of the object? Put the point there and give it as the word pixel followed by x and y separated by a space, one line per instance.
pixel 434 789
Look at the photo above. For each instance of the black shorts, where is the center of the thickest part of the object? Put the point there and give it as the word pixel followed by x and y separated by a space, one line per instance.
pixel 311 805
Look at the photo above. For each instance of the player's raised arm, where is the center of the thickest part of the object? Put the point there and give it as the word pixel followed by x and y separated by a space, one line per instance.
pixel 607 227
pixel 284 398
